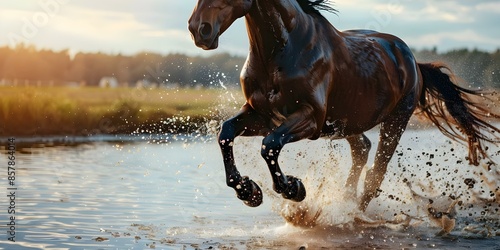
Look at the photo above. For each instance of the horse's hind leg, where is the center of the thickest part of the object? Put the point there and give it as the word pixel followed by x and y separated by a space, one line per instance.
pixel 246 123
pixel 390 133
pixel 360 149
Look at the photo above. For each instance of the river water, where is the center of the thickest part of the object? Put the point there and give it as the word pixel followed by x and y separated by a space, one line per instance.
pixel 143 193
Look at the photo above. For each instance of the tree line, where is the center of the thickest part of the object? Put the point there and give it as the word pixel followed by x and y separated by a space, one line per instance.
pixel 478 68
pixel 26 63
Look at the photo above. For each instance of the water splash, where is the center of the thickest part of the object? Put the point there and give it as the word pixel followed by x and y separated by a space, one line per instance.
pixel 425 188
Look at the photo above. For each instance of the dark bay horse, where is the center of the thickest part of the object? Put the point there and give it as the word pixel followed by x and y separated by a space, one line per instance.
pixel 305 79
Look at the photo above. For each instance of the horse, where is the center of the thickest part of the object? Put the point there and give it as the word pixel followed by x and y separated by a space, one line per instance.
pixel 304 79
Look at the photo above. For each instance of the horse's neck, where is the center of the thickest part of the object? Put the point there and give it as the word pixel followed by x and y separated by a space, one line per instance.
pixel 269 23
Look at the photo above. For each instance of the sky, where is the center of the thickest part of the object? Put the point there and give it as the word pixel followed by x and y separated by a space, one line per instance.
pixel 133 26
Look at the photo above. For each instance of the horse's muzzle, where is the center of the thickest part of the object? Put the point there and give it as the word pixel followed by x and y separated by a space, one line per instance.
pixel 204 36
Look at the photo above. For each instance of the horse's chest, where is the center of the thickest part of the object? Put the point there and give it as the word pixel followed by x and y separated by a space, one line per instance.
pixel 267 98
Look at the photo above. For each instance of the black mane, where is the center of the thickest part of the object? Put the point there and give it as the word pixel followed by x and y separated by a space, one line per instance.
pixel 314 6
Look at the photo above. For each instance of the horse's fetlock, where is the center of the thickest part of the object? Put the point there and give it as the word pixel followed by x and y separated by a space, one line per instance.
pixel 233 181
pixel 279 187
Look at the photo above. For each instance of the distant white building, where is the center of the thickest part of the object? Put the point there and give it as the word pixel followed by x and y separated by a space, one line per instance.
pixel 108 82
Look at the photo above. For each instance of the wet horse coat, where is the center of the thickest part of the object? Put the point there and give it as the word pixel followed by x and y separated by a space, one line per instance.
pixel 304 79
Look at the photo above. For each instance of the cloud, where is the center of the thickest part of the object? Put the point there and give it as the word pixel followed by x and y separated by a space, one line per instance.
pixel 445 11
pixel 493 7
pixel 129 26
pixel 467 38
pixel 100 24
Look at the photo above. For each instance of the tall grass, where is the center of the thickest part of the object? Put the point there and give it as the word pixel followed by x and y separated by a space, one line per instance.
pixel 41 111
pixel 29 111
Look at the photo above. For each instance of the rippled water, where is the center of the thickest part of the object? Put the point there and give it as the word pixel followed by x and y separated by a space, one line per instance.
pixel 140 194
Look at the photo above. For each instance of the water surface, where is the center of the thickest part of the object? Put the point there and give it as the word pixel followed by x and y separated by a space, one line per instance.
pixel 170 194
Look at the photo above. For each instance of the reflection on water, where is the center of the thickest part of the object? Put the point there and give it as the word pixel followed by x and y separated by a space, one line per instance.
pixel 121 195
pixel 170 193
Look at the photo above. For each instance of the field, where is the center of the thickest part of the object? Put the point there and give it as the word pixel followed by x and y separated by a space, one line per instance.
pixel 41 111
pixel 47 111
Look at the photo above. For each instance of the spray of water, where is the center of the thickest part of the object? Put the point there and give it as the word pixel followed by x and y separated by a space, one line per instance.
pixel 430 188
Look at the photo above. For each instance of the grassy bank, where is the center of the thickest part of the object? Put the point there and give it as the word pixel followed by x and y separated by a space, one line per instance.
pixel 30 111
pixel 45 111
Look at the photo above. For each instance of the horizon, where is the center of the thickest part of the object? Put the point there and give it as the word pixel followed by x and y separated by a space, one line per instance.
pixel 156 26
pixel 215 53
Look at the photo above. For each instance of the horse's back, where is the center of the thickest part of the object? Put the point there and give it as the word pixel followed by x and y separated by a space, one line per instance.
pixel 380 70
pixel 370 39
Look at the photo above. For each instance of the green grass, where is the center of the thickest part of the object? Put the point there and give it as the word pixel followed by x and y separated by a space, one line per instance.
pixel 45 111
pixel 29 111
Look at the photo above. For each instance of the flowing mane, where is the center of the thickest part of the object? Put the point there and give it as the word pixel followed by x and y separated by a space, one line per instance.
pixel 314 6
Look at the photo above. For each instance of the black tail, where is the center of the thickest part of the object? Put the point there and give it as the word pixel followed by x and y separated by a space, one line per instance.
pixel 450 107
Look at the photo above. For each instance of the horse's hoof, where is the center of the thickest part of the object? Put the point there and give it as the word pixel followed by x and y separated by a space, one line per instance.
pixel 251 193
pixel 295 191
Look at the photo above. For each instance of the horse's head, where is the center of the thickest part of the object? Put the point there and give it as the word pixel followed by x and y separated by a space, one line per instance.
pixel 211 18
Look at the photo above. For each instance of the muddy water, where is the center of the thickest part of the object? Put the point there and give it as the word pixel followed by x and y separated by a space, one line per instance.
pixel 143 194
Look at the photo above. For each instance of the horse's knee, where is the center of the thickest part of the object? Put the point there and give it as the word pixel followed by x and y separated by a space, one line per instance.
pixel 270 147
pixel 226 133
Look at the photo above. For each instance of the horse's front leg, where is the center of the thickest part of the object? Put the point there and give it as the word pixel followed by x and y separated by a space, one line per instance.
pixel 299 125
pixel 246 123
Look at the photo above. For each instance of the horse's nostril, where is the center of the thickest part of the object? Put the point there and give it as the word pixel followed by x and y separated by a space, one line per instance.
pixel 205 30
